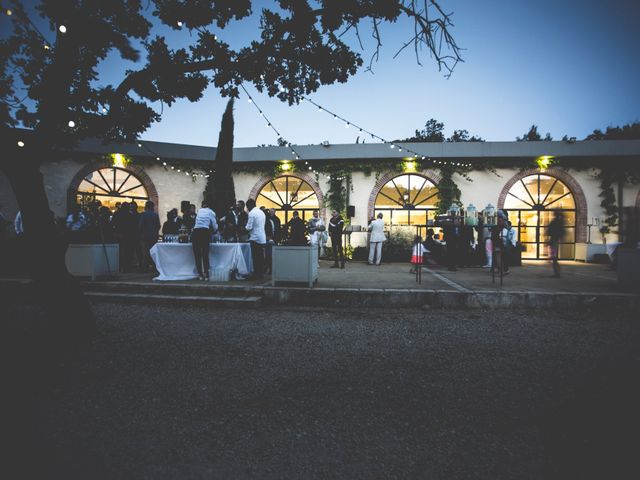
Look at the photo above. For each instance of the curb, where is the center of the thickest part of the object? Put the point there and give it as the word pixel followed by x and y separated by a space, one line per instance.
pixel 248 296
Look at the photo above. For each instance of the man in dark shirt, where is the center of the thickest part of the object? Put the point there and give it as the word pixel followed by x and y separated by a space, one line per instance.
pixel 297 229
pixel 336 226
pixel 149 224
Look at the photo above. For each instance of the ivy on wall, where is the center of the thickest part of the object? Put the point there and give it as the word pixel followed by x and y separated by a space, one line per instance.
pixel 449 191
pixel 608 202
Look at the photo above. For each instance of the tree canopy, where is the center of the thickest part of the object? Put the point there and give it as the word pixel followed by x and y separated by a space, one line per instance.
pixel 534 136
pixel 433 131
pixel 301 48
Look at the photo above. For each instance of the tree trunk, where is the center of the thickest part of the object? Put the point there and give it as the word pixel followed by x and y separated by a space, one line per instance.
pixel 70 320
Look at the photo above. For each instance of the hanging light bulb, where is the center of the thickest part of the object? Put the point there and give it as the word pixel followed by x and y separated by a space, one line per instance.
pixel 139 145
pixel 179 23
pixel 158 158
pixel 20 143
pixel 164 164
pixel 9 12
pixel 71 124
pixel 62 29
pixel 104 110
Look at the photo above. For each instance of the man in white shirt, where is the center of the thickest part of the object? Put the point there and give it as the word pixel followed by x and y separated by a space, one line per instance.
pixel 376 227
pixel 205 224
pixel 257 237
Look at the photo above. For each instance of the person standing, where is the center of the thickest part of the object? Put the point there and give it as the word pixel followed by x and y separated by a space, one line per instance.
pixel 297 229
pixel 243 218
pixel 203 227
pixel 189 217
pixel 173 223
pixel 277 226
pixel 149 225
pixel 376 227
pixel 257 238
pixel 555 230
pixel 336 226
pixel 316 227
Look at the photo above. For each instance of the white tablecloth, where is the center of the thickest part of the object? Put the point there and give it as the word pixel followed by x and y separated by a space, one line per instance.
pixel 175 261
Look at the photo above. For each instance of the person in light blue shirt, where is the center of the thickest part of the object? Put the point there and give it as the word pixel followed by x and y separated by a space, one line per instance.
pixel 205 225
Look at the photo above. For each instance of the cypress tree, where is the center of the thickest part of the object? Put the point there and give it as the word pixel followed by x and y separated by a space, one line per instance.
pixel 220 191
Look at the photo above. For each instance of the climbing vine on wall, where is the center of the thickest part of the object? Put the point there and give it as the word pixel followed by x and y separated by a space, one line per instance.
pixel 608 202
pixel 449 192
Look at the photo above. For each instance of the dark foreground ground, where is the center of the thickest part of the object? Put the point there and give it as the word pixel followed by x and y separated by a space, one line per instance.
pixel 174 393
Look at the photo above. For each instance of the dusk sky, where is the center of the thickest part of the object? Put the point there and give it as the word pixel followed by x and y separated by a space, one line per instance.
pixel 567 66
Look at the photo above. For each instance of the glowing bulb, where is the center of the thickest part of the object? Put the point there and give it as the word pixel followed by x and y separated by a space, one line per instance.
pixel 346 125
pixel 71 124
pixel 47 47
pixel 164 164
pixel 20 143
pixel 250 101
pixel 393 146
pixel 158 158
pixel 9 12
pixel 62 29
pixel 179 23
pixel 104 110
pixel 139 145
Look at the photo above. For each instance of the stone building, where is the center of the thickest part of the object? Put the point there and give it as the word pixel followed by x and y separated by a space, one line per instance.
pixel 403 186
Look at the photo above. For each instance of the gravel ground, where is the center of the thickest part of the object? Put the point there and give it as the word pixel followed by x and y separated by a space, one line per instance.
pixel 167 393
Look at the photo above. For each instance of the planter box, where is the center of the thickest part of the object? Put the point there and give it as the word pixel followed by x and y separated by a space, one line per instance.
pixel 587 251
pixel 629 268
pixel 92 260
pixel 294 264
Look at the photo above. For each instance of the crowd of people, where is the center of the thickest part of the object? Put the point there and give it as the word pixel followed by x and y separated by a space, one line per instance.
pixel 495 246
pixel 261 228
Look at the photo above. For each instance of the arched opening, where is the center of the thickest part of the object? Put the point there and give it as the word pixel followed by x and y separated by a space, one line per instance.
pixel 286 194
pixel 532 201
pixel 407 200
pixel 110 186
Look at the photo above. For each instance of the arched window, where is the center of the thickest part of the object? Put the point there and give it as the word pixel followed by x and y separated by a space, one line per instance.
pixel 286 194
pixel 111 185
pixel 408 199
pixel 532 202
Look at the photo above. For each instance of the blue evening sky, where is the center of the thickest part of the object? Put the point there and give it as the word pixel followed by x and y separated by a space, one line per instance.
pixel 568 66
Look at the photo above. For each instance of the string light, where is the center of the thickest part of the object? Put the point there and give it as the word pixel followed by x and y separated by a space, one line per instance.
pixel 71 124
pixel 179 23
pixel 20 143
pixel 9 12
pixel 62 29
pixel 377 137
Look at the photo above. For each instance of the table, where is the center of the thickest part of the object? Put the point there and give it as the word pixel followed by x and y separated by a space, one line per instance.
pixel 92 259
pixel 175 261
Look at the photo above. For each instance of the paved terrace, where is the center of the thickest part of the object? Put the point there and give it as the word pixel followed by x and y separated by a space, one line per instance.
pixel 388 285
pixel 391 284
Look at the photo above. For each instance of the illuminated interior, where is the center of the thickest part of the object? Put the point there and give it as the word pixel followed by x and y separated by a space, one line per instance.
pixel 407 199
pixel 110 186
pixel 531 203
pixel 287 194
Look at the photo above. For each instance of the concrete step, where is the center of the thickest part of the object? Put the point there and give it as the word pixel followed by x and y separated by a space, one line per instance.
pixel 217 301
pixel 186 289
